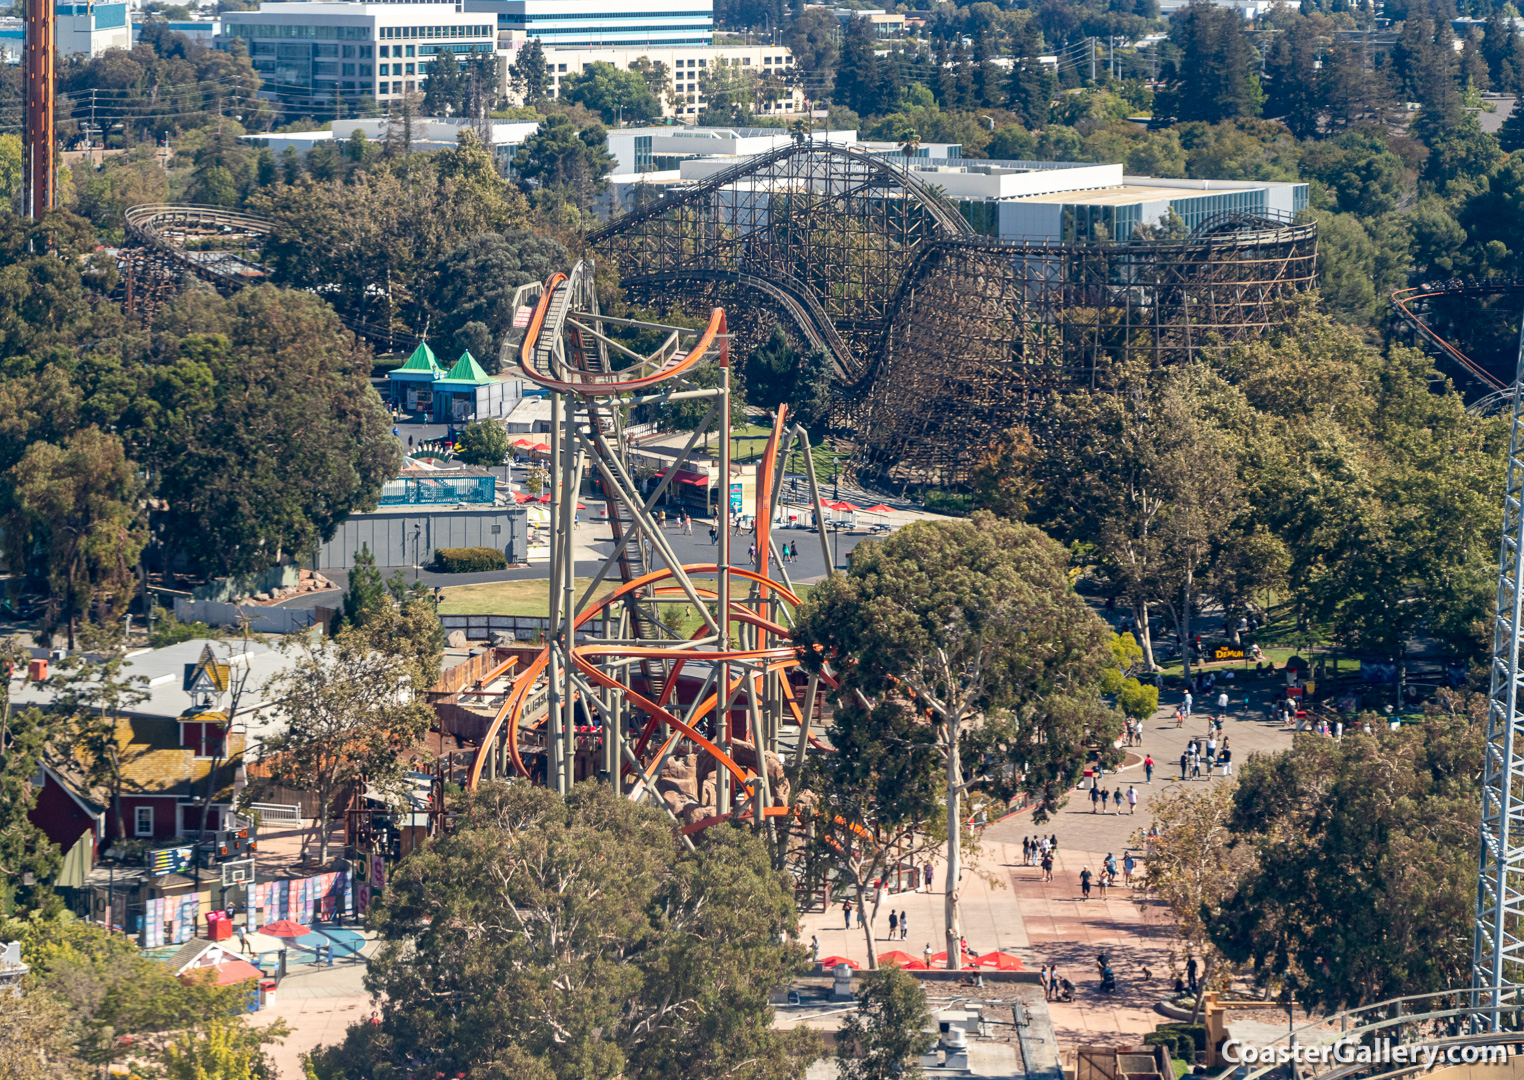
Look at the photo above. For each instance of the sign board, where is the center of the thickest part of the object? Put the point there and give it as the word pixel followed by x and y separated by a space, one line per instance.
pixel 233 842
pixel 237 871
pixel 172 860
pixel 1224 652
pixel 735 498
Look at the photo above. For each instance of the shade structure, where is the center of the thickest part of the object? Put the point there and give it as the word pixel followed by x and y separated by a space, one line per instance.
pixel 522 496
pixel 845 507
pixel 522 442
pixel 286 928
pixel 545 498
pixel 879 509
pixel 541 448
pixel 832 961
pixel 1001 961
pixel 896 958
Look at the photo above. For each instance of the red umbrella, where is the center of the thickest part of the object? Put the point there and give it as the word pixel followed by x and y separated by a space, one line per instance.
pixel 522 442
pixel 544 498
pixel 540 448
pixel 832 961
pixel 1002 961
pixel 845 507
pixel 900 959
pixel 879 509
pixel 581 507
pixel 521 496
pixel 940 960
pixel 286 928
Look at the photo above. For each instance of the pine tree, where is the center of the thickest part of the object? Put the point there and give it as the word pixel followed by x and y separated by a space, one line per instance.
pixel 528 75
pixel 857 70
pixel 1216 76
pixel 1030 89
pixel 811 397
pixel 963 78
pixel 987 89
pixel 945 83
pixel 1292 94
pixel 367 592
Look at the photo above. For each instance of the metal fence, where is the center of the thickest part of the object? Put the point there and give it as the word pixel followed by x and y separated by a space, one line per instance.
pixel 519 627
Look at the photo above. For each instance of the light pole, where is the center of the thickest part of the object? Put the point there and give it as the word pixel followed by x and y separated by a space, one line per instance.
pixel 417 534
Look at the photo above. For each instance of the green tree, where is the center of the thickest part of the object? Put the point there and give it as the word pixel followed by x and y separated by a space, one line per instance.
pixel 355 707
pixel 1335 829
pixel 813 391
pixel 1216 77
pixel 857 69
pixel 884 1038
pixel 528 74
pixel 731 93
pixel 77 508
pixel 24 848
pixel 1030 89
pixel 260 426
pixel 445 91
pixel 944 620
pixel 617 96
pixel 607 951
pixel 366 594
pixel 1002 477
pixel 482 442
pixel 474 283
pixel 558 154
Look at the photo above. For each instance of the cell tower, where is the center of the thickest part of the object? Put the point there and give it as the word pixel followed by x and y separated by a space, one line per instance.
pixel 40 172
pixel 1498 966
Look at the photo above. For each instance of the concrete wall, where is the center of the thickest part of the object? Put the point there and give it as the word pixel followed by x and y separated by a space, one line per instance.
pixel 390 534
pixel 262 620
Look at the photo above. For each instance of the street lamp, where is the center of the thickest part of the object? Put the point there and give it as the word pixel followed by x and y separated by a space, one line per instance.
pixel 417 534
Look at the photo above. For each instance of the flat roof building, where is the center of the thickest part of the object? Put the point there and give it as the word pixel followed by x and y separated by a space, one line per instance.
pixel 584 23
pixel 323 52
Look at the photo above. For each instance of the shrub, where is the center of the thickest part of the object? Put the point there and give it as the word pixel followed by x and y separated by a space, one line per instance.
pixel 471 560
pixel 945 502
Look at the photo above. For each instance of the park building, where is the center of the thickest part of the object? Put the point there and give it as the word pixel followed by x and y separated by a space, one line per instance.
pixel 504 137
pixel 463 393
pixel 685 67
pixel 1057 202
pixel 326 52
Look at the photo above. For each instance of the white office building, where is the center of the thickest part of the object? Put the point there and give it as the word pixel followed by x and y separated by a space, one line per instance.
pixel 685 71
pixel 595 23
pixel 201 31
pixel 325 52
pixel 429 133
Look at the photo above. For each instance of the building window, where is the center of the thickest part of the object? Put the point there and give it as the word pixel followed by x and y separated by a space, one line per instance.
pixel 349 70
pixel 386 69
pixel 365 70
pixel 349 52
pixel 409 71
pixel 143 818
pixel 385 51
pixel 410 49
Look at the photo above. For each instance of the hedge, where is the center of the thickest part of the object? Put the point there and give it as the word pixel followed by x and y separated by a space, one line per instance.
pixel 1184 1040
pixel 471 560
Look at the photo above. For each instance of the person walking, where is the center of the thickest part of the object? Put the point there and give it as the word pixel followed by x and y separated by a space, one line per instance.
pixel 1148 768
pixel 1042 977
pixel 714 534
pixel 1047 866
pixel 1179 716
pixel 928 877
pixel 1084 877
pixel 1196 766
pixel 1101 883
pixel 1187 703
pixel 1116 800
pixel 1190 974
pixel 846 913
pixel 1132 799
pixel 904 925
pixel 1226 759
pixel 814 949
pixel 1222 700
pixel 1185 762
pixel 1128 864
pixel 894 924
pixel 1105 801
pixel 1095 799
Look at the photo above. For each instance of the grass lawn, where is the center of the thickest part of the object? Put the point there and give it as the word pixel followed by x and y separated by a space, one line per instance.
pixel 533 598
pixel 507 597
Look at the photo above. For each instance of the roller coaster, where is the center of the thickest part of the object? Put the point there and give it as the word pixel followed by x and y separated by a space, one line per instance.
pixel 1490 390
pixel 693 697
pixel 942 337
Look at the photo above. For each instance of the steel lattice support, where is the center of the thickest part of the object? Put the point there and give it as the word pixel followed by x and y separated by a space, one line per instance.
pixel 40 166
pixel 1498 970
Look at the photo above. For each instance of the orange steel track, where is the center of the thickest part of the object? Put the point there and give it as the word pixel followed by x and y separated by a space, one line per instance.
pixel 774 655
pixel 1401 298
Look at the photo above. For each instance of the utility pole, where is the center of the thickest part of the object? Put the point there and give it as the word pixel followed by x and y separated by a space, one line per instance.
pixel 1092 60
pixel 40 172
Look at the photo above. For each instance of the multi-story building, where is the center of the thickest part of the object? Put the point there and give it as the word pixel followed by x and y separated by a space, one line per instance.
pixel 587 23
pixel 685 69
pixel 325 52
pixel 202 31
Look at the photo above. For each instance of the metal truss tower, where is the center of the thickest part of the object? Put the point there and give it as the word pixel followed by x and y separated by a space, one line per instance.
pixel 1498 965
pixel 39 167
pixel 628 689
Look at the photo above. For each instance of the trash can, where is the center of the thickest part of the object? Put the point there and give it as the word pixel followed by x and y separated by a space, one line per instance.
pixel 266 993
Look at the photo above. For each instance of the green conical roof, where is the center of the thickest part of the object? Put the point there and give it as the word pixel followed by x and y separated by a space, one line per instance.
pixel 466 369
pixel 422 360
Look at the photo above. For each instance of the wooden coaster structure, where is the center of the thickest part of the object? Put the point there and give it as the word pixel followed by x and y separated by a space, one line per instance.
pixel 726 696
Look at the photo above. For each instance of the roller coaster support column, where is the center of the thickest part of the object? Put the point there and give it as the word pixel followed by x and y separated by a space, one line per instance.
pixel 555 773
pixel 722 699
pixel 1498 969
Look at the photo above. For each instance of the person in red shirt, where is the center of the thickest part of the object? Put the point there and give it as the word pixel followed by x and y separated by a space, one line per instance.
pixel 1148 767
